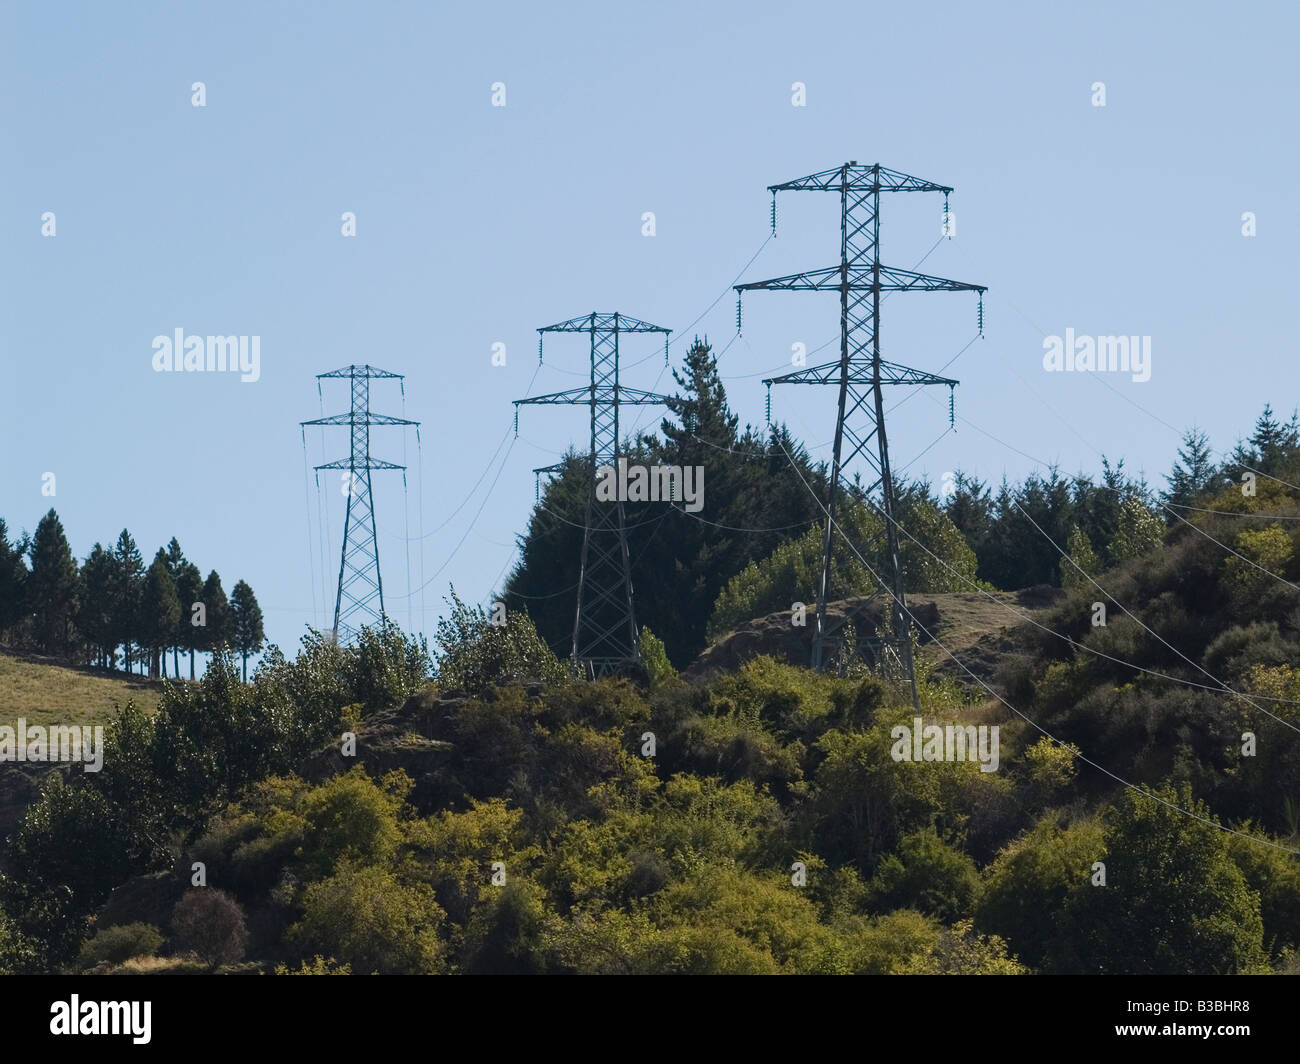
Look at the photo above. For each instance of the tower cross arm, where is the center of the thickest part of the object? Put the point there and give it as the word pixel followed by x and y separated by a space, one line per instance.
pixel 583 396
pixel 604 323
pixel 861 372
pixel 372 463
pixel 363 419
pixel 860 277
pixel 859 178
pixel 360 371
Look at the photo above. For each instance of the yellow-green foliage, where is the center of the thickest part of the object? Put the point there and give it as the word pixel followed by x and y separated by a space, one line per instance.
pixel 317 966
pixel 792 572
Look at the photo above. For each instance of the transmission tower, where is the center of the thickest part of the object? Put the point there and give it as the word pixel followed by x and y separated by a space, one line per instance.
pixel 604 626
pixel 361 589
pixel 860 372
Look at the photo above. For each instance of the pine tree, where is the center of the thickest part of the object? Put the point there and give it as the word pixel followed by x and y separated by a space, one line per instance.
pixel 95 609
pixel 247 615
pixel 159 610
pixel 175 563
pixel 1271 441
pixel 128 573
pixel 52 586
pixel 1193 472
pixel 970 508
pixel 702 412
pixel 13 583
pixel 216 634
pixel 189 588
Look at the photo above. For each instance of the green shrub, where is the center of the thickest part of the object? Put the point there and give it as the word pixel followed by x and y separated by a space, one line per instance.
pixel 474 653
pixel 119 943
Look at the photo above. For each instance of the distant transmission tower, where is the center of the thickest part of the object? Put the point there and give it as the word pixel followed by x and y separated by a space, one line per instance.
pixel 604 627
pixel 860 372
pixel 360 597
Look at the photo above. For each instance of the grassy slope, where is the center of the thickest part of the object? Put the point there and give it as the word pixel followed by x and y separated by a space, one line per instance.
pixel 48 693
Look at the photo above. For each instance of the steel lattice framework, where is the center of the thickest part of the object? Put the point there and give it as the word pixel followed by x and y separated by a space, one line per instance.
pixel 860 372
pixel 604 625
pixel 360 593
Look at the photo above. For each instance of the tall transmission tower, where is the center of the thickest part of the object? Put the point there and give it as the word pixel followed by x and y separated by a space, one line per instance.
pixel 860 372
pixel 360 596
pixel 604 626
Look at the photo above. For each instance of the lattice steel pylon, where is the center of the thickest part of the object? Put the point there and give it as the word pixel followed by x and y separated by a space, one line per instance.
pixel 604 625
pixel 360 595
pixel 860 372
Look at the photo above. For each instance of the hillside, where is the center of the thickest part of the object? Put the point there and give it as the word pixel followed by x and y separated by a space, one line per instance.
pixel 46 691
pixel 976 627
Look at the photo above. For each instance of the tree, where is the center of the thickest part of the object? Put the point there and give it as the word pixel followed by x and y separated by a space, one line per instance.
pixel 1140 531
pixel 159 611
pixel 1174 903
pixel 1083 558
pixel 128 572
pixel 216 633
pixel 13 582
pixel 1193 472
pixel 247 622
pixel 95 607
pixel 365 917
pixel 210 923
pixel 189 586
pixel 1273 442
pixel 52 586
pixel 756 496
pixel 474 653
pixel 176 564
pixel 926 874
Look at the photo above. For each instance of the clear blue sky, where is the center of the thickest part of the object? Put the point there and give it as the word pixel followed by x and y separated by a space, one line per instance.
pixel 476 225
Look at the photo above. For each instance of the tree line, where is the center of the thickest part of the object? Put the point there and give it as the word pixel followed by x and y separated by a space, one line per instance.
pixel 112 610
pixel 695 575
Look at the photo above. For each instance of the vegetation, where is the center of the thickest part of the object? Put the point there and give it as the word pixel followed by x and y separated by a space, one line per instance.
pixel 112 602
pixel 481 809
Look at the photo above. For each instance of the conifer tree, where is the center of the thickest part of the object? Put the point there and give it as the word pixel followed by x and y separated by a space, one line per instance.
pixel 13 583
pixel 175 563
pixel 1193 472
pixel 95 608
pixel 52 587
pixel 189 589
pixel 215 635
pixel 247 616
pixel 159 611
pixel 128 573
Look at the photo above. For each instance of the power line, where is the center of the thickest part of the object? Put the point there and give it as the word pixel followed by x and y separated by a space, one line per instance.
pixel 1072 749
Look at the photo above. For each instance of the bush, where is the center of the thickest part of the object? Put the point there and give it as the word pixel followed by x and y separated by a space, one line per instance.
pixel 654 658
pixel 370 921
pixel 928 875
pixel 474 653
pixel 210 924
pixel 120 943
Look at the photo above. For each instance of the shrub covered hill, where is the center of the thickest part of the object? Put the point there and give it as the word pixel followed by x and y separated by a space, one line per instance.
pixel 373 808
